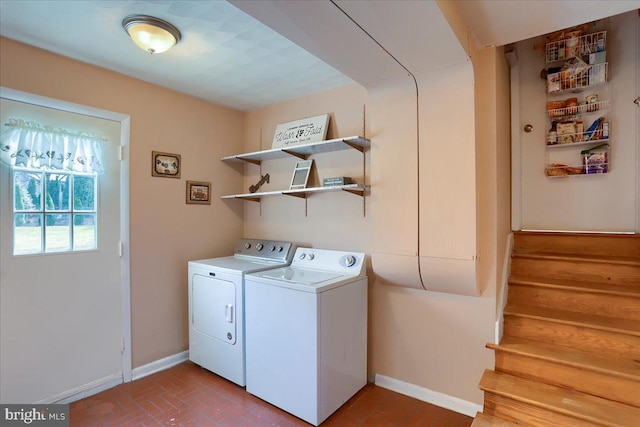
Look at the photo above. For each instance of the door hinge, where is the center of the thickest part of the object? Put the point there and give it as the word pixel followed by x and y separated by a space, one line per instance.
pixel 120 249
pixel 122 345
pixel 121 153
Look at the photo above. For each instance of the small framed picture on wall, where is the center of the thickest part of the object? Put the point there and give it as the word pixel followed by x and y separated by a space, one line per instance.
pixel 165 164
pixel 198 193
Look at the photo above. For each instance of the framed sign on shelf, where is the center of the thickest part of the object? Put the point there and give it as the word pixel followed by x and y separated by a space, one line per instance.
pixel 303 131
pixel 301 174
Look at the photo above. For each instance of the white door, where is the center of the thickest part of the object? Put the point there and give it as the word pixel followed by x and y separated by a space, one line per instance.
pixel 603 202
pixel 61 330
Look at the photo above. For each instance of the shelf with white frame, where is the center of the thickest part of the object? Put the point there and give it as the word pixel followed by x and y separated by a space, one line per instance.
pixel 577 79
pixel 559 114
pixel 575 46
pixel 302 151
pixel 578 143
pixel 302 192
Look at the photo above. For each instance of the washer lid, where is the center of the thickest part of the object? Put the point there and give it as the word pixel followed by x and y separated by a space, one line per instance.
pixel 300 276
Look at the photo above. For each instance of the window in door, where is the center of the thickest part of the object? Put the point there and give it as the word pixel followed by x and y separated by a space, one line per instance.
pixel 54 211
pixel 54 182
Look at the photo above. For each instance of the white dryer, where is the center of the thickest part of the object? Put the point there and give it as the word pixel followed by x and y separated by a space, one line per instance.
pixel 306 332
pixel 216 304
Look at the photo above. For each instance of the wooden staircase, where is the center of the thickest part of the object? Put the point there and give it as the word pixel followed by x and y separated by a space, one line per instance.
pixel 570 353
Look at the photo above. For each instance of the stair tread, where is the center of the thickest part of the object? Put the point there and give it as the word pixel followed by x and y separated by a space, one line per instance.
pixel 561 400
pixel 578 285
pixel 611 365
pixel 607 323
pixel 606 244
pixel 486 420
pixel 603 259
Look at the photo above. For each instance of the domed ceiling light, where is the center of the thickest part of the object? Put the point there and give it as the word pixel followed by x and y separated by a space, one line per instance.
pixel 151 34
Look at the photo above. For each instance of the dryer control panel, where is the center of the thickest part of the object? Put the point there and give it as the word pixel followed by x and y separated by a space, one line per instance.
pixel 270 250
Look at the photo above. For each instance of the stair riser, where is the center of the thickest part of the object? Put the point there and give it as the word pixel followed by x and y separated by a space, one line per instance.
pixel 484 420
pixel 603 245
pixel 529 415
pixel 625 307
pixel 600 384
pixel 594 341
pixel 574 270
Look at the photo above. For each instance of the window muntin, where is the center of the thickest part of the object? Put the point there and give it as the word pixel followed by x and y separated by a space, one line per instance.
pixel 54 211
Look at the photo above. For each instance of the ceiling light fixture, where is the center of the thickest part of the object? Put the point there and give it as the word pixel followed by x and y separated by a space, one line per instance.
pixel 151 34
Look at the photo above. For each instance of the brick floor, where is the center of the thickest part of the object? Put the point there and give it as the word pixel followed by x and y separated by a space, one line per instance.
pixel 187 395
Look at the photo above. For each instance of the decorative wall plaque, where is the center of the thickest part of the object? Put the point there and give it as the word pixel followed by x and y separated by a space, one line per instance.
pixel 165 164
pixel 198 193
pixel 303 131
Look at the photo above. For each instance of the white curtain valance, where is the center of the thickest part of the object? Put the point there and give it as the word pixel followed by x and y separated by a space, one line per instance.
pixel 32 145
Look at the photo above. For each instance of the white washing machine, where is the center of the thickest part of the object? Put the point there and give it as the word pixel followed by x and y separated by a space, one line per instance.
pixel 306 332
pixel 216 304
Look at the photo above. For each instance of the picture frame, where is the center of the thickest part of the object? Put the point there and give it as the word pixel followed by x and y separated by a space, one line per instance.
pixel 198 193
pixel 301 174
pixel 167 165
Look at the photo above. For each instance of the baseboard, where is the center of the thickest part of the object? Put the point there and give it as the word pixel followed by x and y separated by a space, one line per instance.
pixel 159 365
pixel 85 390
pixel 435 398
pixel 502 295
pixel 111 381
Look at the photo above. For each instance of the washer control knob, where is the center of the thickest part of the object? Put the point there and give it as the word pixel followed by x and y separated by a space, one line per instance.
pixel 280 248
pixel 303 255
pixel 272 248
pixel 311 256
pixel 259 246
pixel 349 260
pixel 247 245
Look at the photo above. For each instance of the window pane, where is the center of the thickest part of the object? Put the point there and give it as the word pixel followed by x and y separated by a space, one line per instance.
pixel 27 237
pixel 27 191
pixel 57 192
pixel 51 200
pixel 84 232
pixel 84 193
pixel 57 231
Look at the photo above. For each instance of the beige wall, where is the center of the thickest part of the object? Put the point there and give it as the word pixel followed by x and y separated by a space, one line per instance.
pixel 165 232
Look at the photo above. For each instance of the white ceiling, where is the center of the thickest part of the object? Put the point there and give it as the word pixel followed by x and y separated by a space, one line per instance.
pixel 228 57
pixel 500 22
pixel 225 56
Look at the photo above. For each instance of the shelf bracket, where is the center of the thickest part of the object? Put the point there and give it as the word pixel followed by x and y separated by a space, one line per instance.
pixel 355 146
pixel 356 192
pixel 252 199
pixel 255 162
pixel 299 195
pixel 299 155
